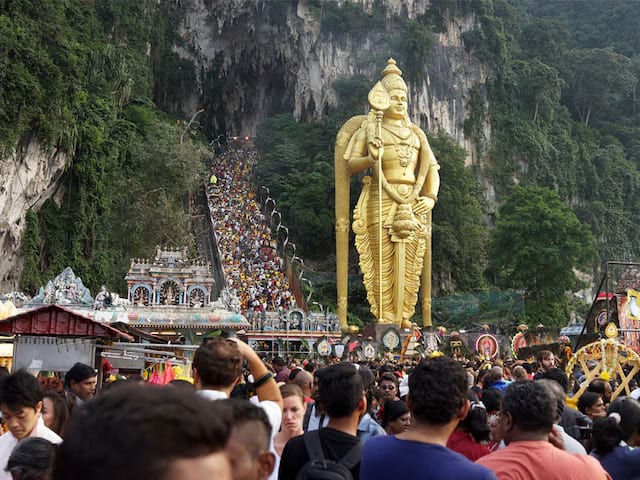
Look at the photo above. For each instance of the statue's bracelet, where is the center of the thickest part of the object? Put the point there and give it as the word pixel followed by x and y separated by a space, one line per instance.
pixel 431 196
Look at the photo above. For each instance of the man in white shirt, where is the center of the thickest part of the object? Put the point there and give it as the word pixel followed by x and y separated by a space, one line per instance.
pixel 21 406
pixel 571 445
pixel 217 367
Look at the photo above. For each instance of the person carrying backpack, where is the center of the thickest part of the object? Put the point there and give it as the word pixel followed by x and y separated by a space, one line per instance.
pixel 332 452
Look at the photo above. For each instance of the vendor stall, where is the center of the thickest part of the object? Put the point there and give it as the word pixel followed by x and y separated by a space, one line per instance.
pixel 53 338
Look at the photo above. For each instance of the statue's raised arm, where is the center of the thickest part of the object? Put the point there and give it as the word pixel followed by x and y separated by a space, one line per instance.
pixel 392 219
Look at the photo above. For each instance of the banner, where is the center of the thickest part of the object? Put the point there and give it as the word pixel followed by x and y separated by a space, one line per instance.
pixel 629 319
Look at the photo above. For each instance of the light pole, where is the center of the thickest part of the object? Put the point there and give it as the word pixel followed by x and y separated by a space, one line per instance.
pixel 286 323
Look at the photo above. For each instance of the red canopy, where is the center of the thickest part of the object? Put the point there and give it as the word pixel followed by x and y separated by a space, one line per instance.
pixel 57 320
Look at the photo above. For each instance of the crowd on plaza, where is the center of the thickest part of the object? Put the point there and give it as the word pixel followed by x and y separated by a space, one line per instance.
pixel 253 271
pixel 436 418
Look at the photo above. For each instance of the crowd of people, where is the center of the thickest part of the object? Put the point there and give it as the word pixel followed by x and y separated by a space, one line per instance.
pixel 253 271
pixel 245 419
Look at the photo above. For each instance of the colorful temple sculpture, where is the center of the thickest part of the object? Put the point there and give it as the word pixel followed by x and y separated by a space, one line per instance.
pixel 169 279
pixel 65 289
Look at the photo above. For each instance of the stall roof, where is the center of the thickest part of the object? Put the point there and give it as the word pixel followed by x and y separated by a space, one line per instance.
pixel 57 320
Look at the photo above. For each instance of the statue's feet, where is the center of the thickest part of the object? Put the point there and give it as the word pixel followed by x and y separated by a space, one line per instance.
pixel 405 324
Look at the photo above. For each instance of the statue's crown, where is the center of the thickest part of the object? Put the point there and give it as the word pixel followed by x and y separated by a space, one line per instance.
pixel 392 77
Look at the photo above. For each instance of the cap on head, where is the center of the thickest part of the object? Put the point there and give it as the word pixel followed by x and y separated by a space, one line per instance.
pixel 78 373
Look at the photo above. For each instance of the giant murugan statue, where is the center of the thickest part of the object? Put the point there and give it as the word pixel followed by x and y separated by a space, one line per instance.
pixel 392 219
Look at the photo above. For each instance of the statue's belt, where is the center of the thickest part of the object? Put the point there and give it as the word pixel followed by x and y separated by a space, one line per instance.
pixel 402 191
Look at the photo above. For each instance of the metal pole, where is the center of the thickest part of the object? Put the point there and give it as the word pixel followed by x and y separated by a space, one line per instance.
pixel 606 293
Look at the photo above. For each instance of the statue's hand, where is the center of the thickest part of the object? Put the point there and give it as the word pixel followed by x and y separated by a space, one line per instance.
pixel 376 148
pixel 424 206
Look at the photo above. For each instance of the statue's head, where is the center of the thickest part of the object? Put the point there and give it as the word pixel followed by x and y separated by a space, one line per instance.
pixel 396 90
pixel 392 77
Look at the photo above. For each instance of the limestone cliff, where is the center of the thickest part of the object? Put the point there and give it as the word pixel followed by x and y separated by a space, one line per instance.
pixel 29 175
pixel 254 58
pixel 260 57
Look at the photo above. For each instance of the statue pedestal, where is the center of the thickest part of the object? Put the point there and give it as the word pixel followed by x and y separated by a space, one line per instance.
pixel 377 330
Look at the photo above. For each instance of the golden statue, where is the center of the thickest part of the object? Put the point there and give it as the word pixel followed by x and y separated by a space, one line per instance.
pixel 395 253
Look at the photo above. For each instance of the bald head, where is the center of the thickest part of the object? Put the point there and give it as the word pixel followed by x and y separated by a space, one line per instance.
pixel 304 380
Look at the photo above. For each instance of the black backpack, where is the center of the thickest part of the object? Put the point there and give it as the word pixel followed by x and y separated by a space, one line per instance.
pixel 319 468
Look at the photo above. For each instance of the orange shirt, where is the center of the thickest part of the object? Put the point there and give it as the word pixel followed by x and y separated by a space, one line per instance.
pixel 539 460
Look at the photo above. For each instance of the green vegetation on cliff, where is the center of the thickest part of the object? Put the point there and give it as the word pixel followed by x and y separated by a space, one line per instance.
pixel 564 109
pixel 79 76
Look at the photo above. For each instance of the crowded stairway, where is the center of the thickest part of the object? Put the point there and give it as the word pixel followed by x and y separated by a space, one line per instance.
pixel 253 271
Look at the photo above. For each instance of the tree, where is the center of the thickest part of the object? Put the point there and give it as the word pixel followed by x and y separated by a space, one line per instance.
pixel 540 87
pixel 537 245
pixel 417 39
pixel 544 39
pixel 598 78
pixel 459 234
pixel 295 163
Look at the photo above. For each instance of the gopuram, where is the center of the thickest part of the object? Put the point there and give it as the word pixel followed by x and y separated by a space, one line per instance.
pixel 169 279
pixel 392 219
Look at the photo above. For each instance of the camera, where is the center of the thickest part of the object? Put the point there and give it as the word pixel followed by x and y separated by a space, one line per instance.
pixel 585 432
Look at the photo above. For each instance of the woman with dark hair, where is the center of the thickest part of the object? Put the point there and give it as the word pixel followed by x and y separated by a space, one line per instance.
pixel 472 434
pixel 615 437
pixel 395 417
pixel 592 405
pixel 55 413
pixel 32 459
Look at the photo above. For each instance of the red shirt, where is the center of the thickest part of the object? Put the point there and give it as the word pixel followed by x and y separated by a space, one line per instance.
pixel 463 443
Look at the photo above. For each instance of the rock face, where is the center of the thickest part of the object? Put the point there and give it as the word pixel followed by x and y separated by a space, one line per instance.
pixel 256 58
pixel 260 57
pixel 28 176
